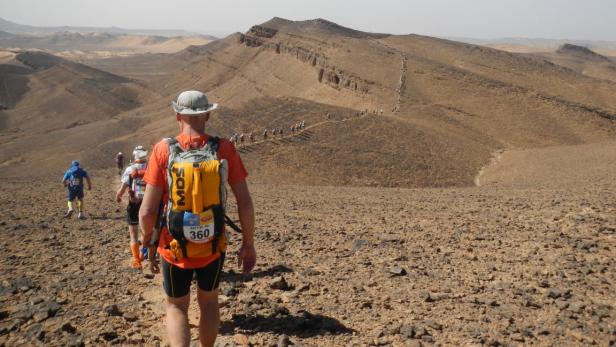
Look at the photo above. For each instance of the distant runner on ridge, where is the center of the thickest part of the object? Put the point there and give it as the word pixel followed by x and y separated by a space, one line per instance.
pixel 132 181
pixel 73 181
pixel 188 173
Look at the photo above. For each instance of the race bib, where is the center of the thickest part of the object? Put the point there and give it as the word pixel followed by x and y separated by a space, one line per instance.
pixel 199 227
pixel 74 182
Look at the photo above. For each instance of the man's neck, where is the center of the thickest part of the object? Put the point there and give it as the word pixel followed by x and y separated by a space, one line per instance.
pixel 192 132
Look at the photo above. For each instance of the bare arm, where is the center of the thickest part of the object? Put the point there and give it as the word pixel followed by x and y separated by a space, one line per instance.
pixel 121 192
pixel 147 220
pixel 149 211
pixel 89 182
pixel 247 255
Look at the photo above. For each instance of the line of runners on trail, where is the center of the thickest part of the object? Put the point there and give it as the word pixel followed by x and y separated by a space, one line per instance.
pixel 239 139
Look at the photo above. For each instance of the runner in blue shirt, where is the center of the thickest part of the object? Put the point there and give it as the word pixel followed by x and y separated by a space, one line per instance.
pixel 73 180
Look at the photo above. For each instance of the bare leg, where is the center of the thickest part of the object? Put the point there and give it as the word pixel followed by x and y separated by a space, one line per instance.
pixel 209 318
pixel 177 321
pixel 133 230
pixel 134 234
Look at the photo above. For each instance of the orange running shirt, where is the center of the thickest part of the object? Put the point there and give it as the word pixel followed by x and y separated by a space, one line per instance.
pixel 156 175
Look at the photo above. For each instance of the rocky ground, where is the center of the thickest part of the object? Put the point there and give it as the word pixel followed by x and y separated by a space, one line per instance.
pixel 337 267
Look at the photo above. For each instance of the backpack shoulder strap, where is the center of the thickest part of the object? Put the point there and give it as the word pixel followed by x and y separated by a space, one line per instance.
pixel 171 141
pixel 174 148
pixel 212 142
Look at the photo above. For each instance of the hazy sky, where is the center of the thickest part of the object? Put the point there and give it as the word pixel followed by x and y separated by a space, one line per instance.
pixel 555 19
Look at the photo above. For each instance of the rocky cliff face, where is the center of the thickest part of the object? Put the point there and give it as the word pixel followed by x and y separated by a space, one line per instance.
pixel 326 71
pixel 257 36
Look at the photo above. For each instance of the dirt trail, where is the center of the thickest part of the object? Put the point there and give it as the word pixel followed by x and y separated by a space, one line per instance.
pixel 494 160
pixel 401 83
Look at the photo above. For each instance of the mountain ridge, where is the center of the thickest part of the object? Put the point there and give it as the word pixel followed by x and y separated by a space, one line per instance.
pixel 434 110
pixel 16 28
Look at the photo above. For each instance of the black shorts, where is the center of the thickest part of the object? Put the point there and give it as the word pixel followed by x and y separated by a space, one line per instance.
pixel 176 281
pixel 132 212
pixel 75 194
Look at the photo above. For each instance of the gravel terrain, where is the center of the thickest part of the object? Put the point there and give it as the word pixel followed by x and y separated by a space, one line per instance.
pixel 337 266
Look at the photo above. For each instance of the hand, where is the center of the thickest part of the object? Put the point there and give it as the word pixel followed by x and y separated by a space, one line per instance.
pixel 89 187
pixel 118 198
pixel 247 257
pixel 153 261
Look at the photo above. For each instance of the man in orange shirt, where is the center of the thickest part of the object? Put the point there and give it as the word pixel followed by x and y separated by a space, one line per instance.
pixel 192 113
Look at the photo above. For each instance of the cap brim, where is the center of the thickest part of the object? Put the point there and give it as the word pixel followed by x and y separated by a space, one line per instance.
pixel 192 112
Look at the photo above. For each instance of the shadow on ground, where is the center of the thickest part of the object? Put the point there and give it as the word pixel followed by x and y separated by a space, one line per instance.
pixel 304 324
pixel 232 276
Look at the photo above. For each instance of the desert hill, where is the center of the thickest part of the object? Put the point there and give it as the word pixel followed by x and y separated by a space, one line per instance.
pixel 442 107
pixel 80 43
pixel 92 45
pixel 583 60
pixel 47 99
pixel 22 29
pixel 446 105
pixel 580 51
pixel 540 45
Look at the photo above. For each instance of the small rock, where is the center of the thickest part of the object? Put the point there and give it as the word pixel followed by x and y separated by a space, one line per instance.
pixel 576 307
pixel 393 328
pixel 365 305
pixel 36 300
pixel 407 331
pixel 229 291
pixel 40 316
pixel 279 283
pixel 544 284
pixel 8 327
pixel 532 303
pixel 544 332
pixel 312 272
pixel 554 293
pixel 109 335
pixel 36 331
pixel 397 271
pixel 434 325
pixel 113 310
pixel 419 332
pixel 358 244
pixel 427 338
pixel 136 338
pixel 241 339
pixel 75 341
pixel 223 300
pixel 69 328
pixel 561 304
pixel 283 341
pixel 130 317
pixel 288 297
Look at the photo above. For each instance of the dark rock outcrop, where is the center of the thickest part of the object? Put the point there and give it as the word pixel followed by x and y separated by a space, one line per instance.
pixel 580 51
pixel 259 36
